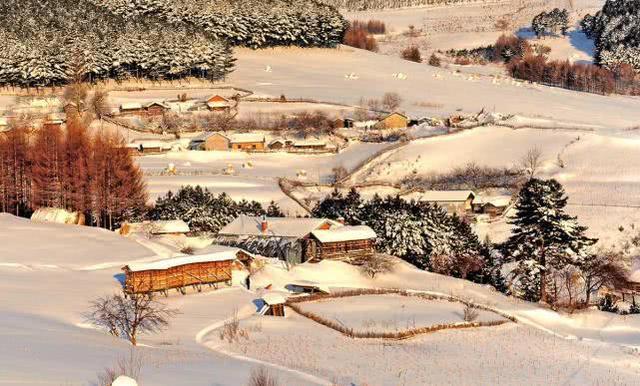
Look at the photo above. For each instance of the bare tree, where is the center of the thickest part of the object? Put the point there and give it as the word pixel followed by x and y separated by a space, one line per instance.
pixel 98 103
pixel 391 101
pixel 531 162
pixel 260 376
pixel 375 264
pixel 606 268
pixel 126 317
pixel 470 313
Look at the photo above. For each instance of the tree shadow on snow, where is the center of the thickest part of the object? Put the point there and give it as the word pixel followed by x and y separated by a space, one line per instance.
pixel 581 42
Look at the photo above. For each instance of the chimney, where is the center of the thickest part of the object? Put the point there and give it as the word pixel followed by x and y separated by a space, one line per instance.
pixel 264 225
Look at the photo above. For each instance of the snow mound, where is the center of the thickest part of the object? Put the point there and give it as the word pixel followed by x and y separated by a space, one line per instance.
pixel 123 380
pixel 58 216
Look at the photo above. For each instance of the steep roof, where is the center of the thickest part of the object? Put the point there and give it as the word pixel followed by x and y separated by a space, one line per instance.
pixel 443 195
pixel 210 254
pixel 161 104
pixel 277 226
pixel 345 233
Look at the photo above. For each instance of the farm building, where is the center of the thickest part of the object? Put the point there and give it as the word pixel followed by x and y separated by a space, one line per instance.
pixel 71 108
pixel 296 239
pixel 279 144
pixel 156 228
pixel 342 241
pixel 393 121
pixel 310 144
pixel 211 266
pixel 272 304
pixel 154 109
pixel 131 109
pixel 53 121
pixel 458 202
pixel 221 141
pixel 493 206
pixel 218 104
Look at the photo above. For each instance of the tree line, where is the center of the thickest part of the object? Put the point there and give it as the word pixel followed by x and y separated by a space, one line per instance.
pixel 73 170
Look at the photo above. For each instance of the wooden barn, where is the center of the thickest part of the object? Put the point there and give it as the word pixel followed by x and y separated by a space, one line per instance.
pixel 393 121
pixel 212 266
pixel 217 103
pixel 341 241
pixel 155 109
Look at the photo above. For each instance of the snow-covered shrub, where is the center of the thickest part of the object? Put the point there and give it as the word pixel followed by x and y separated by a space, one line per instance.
pixel 551 22
pixel 607 304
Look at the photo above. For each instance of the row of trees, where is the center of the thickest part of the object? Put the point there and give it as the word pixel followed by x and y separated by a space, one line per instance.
pixel 205 211
pixel 575 76
pixel 45 42
pixel 46 167
pixel 250 23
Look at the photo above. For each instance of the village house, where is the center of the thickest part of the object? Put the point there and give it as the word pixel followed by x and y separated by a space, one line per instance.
pixel 222 141
pixel 458 202
pixel 310 144
pixel 53 121
pixel 211 266
pixel 393 121
pixel 494 206
pixel 297 239
pixel 154 109
pixel 71 108
pixel 279 144
pixel 220 104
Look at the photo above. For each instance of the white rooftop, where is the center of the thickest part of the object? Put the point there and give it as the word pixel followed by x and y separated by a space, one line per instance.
pixel 498 201
pixel 276 226
pixel 441 195
pixel 130 106
pixel 309 142
pixel 272 298
pixel 212 253
pixel 345 233
pixel 245 138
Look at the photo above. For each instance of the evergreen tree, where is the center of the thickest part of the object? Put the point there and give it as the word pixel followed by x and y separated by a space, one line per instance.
pixel 273 210
pixel 544 238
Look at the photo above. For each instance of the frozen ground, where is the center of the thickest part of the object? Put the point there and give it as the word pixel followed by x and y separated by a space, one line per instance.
pixel 41 324
pixel 320 74
pixel 391 313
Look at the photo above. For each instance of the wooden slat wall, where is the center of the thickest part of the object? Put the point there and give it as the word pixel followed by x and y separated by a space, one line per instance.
pixel 177 277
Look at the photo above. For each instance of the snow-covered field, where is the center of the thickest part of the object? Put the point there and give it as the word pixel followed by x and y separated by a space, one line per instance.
pixel 391 313
pixel 42 324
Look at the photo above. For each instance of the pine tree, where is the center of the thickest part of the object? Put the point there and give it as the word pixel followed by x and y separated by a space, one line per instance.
pixel 544 238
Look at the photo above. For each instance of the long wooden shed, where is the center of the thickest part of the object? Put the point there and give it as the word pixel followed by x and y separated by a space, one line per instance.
pixel 346 240
pixel 211 266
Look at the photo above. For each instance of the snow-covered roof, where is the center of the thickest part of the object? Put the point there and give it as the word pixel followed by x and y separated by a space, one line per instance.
pixel 345 233
pixel 443 195
pixel 212 253
pixel 276 226
pixel 277 140
pixel 159 227
pixel 54 215
pixel 497 201
pixel 130 106
pixel 161 104
pixel 364 124
pixel 310 143
pixel 272 298
pixel 245 138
